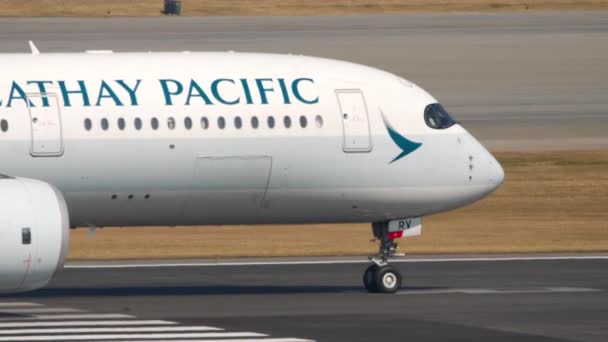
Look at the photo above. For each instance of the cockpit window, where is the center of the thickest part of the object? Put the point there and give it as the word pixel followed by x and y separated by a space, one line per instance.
pixel 437 117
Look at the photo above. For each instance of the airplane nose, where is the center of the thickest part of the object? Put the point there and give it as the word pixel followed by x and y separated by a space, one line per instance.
pixel 490 174
pixel 484 172
pixel 496 173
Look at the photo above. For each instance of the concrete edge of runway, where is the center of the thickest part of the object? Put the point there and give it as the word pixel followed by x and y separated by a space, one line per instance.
pixel 330 260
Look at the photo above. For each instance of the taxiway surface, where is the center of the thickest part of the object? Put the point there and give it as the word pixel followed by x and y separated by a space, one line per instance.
pixel 518 81
pixel 442 300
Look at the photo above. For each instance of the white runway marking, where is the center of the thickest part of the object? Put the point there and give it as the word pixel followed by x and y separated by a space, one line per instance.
pixel 498 291
pixel 129 336
pixel 105 330
pixel 18 305
pixel 82 316
pixel 39 311
pixel 335 262
pixel 110 327
pixel 289 339
pixel 68 316
pixel 573 289
pixel 82 324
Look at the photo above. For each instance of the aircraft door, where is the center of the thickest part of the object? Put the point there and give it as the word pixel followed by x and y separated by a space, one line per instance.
pixel 45 118
pixel 355 121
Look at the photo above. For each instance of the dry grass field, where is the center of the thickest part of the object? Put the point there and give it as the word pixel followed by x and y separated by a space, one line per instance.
pixel 98 8
pixel 550 202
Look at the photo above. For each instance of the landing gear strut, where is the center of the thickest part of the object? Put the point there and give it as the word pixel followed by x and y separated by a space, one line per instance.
pixel 380 277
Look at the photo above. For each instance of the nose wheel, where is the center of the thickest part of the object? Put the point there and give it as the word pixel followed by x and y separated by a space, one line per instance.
pixel 381 277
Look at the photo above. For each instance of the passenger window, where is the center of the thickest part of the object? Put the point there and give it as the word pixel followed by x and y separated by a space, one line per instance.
pixel 138 124
pixel 319 121
pixel 437 117
pixel 105 124
pixel 204 123
pixel 171 123
pixel 4 125
pixel 121 124
pixel 287 121
pixel 188 122
pixel 238 122
pixel 303 121
pixel 221 122
pixel 154 123
pixel 270 122
pixel 87 125
pixel 255 123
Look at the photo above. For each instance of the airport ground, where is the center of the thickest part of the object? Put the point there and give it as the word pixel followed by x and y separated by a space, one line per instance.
pixel 443 299
pixel 531 86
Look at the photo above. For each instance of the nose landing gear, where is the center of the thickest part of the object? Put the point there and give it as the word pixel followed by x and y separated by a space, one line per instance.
pixel 380 277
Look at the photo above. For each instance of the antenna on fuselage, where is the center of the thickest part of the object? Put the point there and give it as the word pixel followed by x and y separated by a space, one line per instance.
pixel 34 49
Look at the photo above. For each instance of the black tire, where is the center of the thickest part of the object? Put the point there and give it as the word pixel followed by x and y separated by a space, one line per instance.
pixel 369 278
pixel 387 280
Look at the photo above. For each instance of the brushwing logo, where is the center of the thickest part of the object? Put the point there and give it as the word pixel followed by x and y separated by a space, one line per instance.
pixel 407 146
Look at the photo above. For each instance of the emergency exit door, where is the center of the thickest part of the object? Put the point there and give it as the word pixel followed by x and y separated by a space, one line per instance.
pixel 355 121
pixel 45 118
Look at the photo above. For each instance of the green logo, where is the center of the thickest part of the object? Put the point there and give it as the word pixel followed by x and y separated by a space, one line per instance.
pixel 407 146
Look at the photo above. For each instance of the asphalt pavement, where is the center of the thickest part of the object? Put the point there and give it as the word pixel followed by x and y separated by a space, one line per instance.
pixel 442 299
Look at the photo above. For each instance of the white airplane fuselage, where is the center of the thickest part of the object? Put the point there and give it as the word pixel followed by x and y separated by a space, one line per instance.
pixel 171 139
